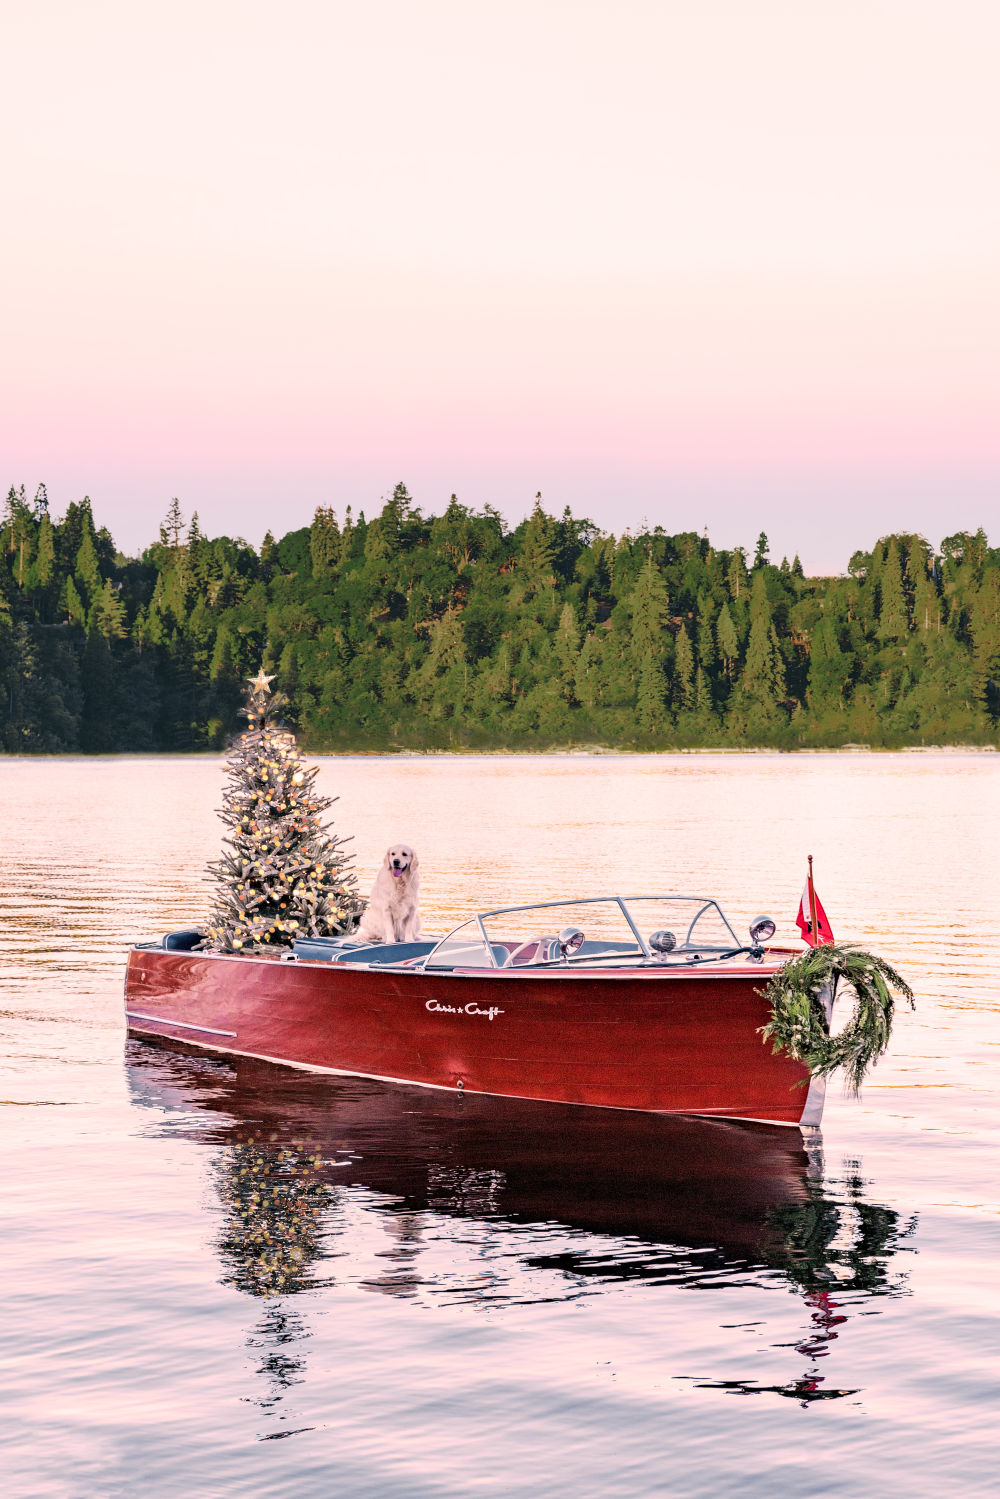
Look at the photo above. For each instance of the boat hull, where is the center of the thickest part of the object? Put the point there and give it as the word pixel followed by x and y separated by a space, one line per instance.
pixel 678 1042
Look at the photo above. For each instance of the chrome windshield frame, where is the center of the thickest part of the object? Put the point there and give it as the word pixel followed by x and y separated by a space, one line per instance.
pixel 704 903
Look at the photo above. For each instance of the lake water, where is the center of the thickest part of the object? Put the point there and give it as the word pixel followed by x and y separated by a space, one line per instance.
pixel 240 1280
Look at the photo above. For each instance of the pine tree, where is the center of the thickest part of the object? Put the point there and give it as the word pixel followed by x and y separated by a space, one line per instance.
pixel 173 525
pixel 728 642
pixel 107 613
pixel 282 874
pixel 347 539
pixel 892 619
pixel 762 681
pixel 926 604
pixel 704 635
pixel 536 561
pixel 683 670
pixel 829 666
pixel 567 650
pixel 736 576
pixel 649 707
pixel 72 603
pixel 702 695
pixel 324 542
pixel 45 561
pixel 650 608
pixel 87 569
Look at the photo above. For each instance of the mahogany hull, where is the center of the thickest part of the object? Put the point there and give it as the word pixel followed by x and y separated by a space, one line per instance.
pixel 677 1043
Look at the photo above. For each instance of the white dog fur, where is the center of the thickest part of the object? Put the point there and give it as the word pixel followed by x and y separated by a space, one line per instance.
pixel 392 914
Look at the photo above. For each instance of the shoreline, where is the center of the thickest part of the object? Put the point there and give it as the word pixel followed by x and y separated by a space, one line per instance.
pixel 556 752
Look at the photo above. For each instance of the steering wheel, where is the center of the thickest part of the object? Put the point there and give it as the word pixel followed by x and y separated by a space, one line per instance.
pixel 543 950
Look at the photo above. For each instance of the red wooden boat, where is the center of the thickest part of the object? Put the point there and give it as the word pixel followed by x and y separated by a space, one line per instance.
pixel 647 1002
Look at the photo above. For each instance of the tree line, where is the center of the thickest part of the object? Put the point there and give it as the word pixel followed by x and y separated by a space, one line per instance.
pixel 454 631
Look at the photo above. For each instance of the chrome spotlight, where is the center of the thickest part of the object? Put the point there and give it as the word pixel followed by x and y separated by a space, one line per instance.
pixel 662 941
pixel 570 939
pixel 761 930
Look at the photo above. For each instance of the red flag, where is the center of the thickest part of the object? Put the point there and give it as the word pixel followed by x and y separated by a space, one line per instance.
pixel 804 921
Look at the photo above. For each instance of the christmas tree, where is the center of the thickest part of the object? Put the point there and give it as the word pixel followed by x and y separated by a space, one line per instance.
pixel 282 874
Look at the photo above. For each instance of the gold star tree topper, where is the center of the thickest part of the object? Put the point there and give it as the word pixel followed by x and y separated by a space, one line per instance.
pixel 260 682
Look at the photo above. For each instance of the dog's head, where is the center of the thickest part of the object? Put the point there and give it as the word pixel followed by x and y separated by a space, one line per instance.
pixel 400 859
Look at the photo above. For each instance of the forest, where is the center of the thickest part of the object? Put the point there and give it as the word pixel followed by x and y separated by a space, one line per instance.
pixel 453 631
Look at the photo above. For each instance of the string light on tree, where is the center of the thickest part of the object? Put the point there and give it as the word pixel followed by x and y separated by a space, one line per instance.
pixel 283 873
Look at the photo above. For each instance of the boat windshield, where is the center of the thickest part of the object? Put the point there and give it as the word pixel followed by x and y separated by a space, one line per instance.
pixel 603 930
pixel 696 923
pixel 530 934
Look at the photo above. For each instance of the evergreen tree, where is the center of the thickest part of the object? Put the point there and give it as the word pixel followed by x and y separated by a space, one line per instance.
pixel 650 609
pixel 537 550
pixel 45 560
pixel 587 678
pixel 736 576
pixel 107 614
pixel 892 618
pixel 728 642
pixel 282 874
pixel 762 686
pixel 72 604
pixel 926 601
pixel 87 569
pixel 649 703
pixel 347 539
pixel 704 634
pixel 567 647
pixel 324 542
pixel 702 695
pixel 829 666
pixel 683 671
pixel 173 525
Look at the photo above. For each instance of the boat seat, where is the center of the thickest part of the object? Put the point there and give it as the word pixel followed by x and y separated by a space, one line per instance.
pixel 376 955
pixel 180 941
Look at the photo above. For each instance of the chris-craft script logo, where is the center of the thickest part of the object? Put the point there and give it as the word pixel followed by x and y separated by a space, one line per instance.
pixel 470 1009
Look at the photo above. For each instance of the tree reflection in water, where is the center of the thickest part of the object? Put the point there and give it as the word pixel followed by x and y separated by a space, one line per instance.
pixel 543 1200
pixel 275 1197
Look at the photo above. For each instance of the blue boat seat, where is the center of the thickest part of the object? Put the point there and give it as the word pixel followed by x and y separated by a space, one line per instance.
pixel 327 950
pixel 180 941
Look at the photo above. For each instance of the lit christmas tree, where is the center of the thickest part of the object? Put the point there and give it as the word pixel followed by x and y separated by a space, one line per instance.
pixel 282 874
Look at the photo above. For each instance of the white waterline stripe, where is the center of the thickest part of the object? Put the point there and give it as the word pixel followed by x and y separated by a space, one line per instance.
pixel 182 1024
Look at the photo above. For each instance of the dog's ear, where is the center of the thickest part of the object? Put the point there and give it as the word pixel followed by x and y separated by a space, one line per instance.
pixel 414 860
pixel 387 861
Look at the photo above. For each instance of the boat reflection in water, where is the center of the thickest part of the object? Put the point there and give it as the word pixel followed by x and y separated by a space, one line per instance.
pixel 346 1178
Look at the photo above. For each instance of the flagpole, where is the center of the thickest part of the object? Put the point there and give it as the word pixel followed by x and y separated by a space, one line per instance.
pixel 812 904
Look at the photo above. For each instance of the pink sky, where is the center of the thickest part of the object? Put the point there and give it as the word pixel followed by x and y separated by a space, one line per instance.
pixel 731 264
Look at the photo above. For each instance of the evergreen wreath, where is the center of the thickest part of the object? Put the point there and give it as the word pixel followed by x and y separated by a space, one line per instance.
pixel 282 874
pixel 798 1025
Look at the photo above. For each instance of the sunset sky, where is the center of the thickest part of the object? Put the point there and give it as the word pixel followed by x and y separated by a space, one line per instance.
pixel 723 263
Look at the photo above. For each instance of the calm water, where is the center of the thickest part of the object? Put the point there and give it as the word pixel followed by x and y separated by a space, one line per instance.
pixel 238 1281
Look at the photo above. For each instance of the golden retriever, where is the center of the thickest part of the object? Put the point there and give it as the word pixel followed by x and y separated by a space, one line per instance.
pixel 392 914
